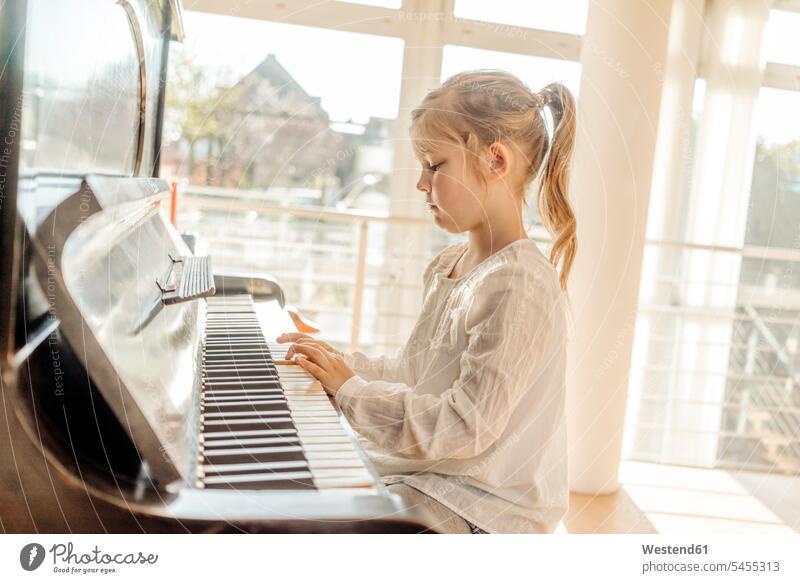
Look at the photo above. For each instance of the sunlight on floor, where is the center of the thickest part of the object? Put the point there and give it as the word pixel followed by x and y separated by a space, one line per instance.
pixel 666 499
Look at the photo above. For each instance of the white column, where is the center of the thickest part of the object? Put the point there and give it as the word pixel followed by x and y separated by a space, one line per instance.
pixel 618 113
pixel 716 216
pixel 406 251
pixel 665 222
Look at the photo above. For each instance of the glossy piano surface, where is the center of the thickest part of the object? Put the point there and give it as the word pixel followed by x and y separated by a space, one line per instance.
pixel 101 428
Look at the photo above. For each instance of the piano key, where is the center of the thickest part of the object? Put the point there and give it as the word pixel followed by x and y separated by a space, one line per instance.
pixel 251 414
pixel 248 381
pixel 228 370
pixel 286 480
pixel 241 458
pixel 216 398
pixel 234 400
pixel 334 438
pixel 311 423
pixel 217 443
pixel 314 414
pixel 344 482
pixel 323 447
pixel 336 464
pixel 247 433
pixel 216 383
pixel 247 425
pixel 306 433
pixel 254 467
pixel 211 404
pixel 320 456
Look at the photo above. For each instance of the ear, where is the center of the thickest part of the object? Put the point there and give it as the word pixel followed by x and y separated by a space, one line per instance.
pixel 499 160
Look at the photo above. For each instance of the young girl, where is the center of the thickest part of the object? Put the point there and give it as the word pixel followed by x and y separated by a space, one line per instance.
pixel 468 420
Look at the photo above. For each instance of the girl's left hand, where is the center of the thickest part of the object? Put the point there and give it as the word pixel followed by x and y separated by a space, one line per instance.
pixel 328 368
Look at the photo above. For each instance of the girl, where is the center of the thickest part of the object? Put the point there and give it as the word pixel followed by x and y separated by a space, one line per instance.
pixel 468 419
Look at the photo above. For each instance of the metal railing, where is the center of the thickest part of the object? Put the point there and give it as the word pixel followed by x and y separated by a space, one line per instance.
pixel 235 206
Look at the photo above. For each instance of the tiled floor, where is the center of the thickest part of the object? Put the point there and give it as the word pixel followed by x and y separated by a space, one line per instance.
pixel 655 498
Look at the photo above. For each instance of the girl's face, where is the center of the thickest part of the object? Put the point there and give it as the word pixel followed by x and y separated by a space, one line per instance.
pixel 454 196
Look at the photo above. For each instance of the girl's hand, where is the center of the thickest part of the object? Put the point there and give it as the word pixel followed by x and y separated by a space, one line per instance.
pixel 327 367
pixel 297 337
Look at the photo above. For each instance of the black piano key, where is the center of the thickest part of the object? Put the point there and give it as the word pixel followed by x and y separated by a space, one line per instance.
pixel 248 458
pixel 256 468
pixel 224 375
pixel 228 396
pixel 254 407
pixel 220 437
pixel 244 399
pixel 232 426
pixel 243 385
pixel 219 373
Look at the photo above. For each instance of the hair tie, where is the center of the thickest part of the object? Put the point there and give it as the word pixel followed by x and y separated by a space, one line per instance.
pixel 548 96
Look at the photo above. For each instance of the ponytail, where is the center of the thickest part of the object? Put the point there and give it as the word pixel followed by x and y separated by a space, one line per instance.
pixel 553 200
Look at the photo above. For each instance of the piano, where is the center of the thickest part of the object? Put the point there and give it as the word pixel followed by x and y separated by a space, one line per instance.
pixel 141 389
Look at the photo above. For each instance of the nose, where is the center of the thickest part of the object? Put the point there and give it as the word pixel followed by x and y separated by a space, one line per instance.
pixel 423 184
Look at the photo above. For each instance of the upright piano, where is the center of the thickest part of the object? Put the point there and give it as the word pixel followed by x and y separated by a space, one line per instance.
pixel 141 389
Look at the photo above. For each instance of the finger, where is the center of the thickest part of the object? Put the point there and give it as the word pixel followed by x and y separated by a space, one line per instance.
pixel 291 337
pixel 316 342
pixel 291 352
pixel 316 355
pixel 321 343
pixel 311 368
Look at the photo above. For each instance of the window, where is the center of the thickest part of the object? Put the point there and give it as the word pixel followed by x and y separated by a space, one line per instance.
pixel 60 131
pixel 781 41
pixel 251 107
pixel 715 376
pixel 564 16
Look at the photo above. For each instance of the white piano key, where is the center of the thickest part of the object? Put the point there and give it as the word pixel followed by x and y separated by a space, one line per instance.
pixel 344 482
pixel 328 447
pixel 334 463
pixel 238 478
pixel 313 456
pixel 212 437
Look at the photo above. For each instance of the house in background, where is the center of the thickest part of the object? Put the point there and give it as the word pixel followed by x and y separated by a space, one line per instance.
pixel 266 132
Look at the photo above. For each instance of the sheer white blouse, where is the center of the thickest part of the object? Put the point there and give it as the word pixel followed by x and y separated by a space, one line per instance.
pixel 471 410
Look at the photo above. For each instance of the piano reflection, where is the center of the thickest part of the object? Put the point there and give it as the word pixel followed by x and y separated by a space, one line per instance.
pixel 141 391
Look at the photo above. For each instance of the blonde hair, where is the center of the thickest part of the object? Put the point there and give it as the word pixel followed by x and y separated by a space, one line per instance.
pixel 478 108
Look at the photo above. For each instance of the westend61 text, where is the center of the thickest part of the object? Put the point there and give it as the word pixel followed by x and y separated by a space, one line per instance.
pixel 670 550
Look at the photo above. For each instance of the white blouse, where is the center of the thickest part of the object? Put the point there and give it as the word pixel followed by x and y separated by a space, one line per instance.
pixel 471 410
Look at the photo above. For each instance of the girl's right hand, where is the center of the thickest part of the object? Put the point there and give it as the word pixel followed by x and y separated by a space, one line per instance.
pixel 301 338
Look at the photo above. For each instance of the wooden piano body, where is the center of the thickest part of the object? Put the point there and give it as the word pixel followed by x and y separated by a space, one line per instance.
pixel 105 374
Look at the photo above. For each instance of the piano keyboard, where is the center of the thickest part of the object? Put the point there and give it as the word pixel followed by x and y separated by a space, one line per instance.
pixel 262 425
